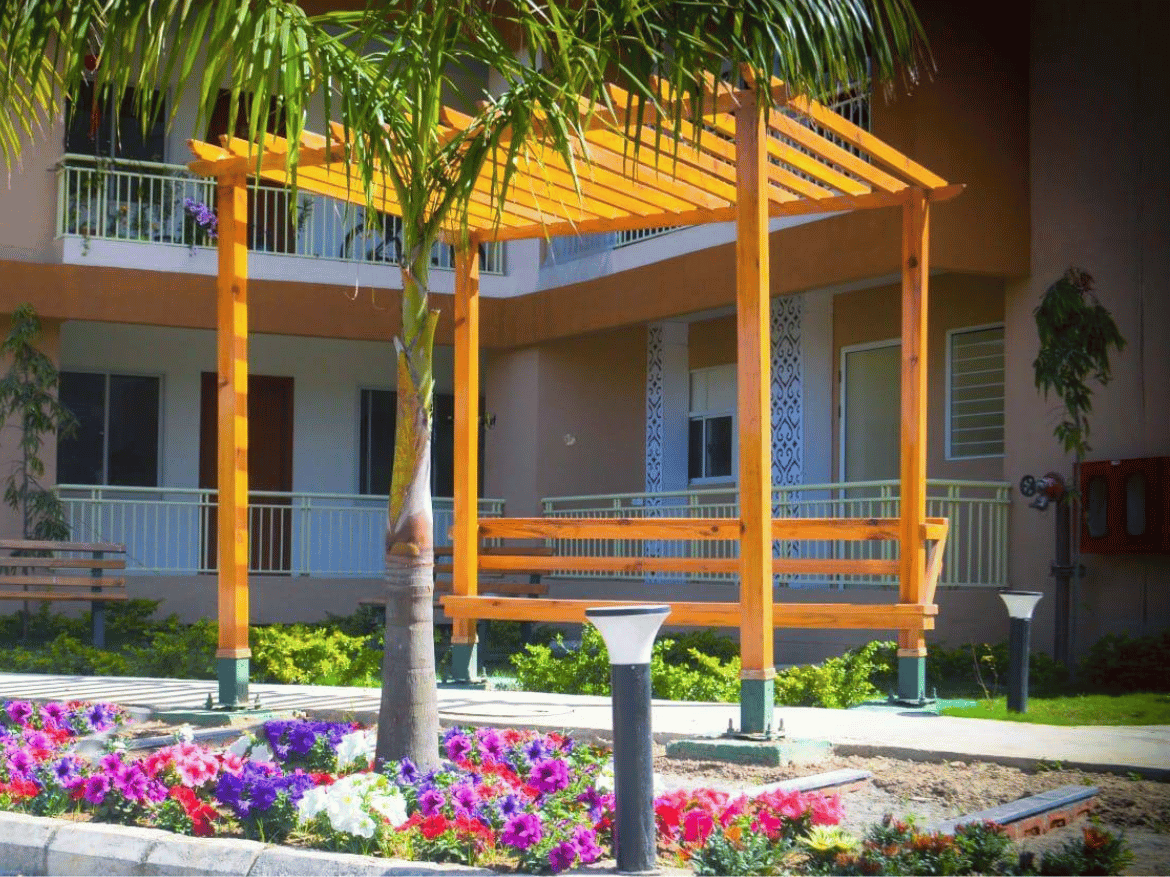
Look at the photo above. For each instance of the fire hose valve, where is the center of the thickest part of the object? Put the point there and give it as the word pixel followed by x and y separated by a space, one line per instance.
pixel 1047 488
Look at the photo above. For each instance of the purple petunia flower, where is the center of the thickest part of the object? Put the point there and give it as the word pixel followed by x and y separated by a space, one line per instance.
pixel 562 856
pixel 99 717
pixel 535 751
pixel 491 744
pixel 549 776
pixel 585 840
pixel 38 740
pixel 596 802
pixel 431 802
pixel 53 715
pixel 96 788
pixel 65 771
pixel 522 831
pixel 21 763
pixel 509 805
pixel 19 711
pixel 464 798
pixel 301 739
pixel 457 747
pixel 407 771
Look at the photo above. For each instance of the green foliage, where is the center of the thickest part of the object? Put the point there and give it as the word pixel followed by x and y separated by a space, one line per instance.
pixel 893 847
pixel 1076 333
pixel 1121 663
pixel 299 654
pixel 1097 851
pixel 584 671
pixel 749 852
pixel 836 683
pixel 177 651
pixel 985 845
pixel 67 655
pixel 957 671
pixel 28 395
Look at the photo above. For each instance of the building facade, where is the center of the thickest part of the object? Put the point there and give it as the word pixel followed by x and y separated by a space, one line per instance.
pixel 608 376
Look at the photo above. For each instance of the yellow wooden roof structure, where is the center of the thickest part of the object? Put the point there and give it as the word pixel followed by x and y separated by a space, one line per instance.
pixel 819 162
pixel 805 159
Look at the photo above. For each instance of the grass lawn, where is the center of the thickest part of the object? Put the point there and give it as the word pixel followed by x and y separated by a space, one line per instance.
pixel 1079 709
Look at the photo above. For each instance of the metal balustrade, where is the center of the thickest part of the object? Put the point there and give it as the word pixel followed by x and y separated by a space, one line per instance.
pixel 172 530
pixel 975 554
pixel 150 202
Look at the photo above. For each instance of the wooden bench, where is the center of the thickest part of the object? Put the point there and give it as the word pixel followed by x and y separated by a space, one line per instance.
pixel 35 570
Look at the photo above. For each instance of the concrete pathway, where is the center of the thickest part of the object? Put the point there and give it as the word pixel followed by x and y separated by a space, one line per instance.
pixel 893 732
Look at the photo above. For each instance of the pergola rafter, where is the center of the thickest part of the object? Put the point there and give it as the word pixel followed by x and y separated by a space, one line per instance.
pixel 798 158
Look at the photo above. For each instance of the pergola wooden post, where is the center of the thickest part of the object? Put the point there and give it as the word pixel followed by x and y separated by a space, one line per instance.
pixel 465 535
pixel 912 577
pixel 753 385
pixel 233 654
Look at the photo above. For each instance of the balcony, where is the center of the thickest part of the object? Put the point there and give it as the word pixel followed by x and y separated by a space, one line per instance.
pixel 132 202
pixel 172 530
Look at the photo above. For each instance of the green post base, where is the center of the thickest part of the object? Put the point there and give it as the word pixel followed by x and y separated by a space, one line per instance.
pixel 233 682
pixel 464 661
pixel 912 680
pixel 757 698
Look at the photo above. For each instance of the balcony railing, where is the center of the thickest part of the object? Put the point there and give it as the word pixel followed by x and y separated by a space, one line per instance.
pixel 172 530
pixel 975 555
pixel 115 200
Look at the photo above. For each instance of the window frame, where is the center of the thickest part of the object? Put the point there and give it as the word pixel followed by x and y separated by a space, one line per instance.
pixel 358 457
pixel 159 459
pixel 709 414
pixel 948 452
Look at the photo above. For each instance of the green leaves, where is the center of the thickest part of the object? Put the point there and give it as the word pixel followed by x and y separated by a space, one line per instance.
pixel 1076 333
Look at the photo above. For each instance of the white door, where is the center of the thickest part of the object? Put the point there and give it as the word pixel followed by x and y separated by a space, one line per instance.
pixel 871 399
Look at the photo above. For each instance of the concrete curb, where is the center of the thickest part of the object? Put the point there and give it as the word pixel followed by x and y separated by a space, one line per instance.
pixel 43 847
pixel 1024 762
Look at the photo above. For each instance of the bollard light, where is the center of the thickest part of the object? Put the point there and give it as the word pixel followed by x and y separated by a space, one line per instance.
pixel 629 633
pixel 1020 605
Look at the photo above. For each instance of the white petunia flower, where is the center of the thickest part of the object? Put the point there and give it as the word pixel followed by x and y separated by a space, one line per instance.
pixel 604 780
pixel 355 746
pixel 312 802
pixel 261 752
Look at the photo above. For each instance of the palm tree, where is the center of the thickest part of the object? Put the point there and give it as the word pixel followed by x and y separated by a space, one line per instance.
pixel 384 73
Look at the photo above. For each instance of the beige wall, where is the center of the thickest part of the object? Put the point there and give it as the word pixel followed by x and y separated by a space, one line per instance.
pixel 570 419
pixel 956 301
pixel 1100 173
pixel 28 199
pixel 11 523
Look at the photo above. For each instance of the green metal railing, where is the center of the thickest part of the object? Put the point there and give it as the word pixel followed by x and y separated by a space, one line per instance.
pixel 975 556
pixel 150 202
pixel 173 530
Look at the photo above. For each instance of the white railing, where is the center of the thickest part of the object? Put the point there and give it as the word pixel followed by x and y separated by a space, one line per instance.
pixel 173 530
pixel 115 200
pixel 976 551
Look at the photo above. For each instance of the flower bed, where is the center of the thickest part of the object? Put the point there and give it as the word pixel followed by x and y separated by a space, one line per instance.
pixel 516 800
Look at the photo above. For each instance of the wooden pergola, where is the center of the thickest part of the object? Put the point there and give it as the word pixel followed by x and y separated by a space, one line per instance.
pixel 800 158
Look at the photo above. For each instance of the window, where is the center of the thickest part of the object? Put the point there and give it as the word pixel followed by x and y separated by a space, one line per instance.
pixel 117 438
pixel 95 128
pixel 377 421
pixel 975 392
pixel 711 440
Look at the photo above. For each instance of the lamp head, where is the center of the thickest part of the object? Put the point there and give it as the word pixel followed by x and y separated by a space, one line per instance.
pixel 628 631
pixel 1020 603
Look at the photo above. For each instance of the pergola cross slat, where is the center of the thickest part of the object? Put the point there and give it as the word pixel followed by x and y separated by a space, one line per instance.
pixel 747 167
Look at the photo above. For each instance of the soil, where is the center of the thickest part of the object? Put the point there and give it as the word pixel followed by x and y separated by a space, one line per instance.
pixel 931 791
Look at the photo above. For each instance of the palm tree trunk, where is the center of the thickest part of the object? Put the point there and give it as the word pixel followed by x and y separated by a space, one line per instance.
pixel 409 725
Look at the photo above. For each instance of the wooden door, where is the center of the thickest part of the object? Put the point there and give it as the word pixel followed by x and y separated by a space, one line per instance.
pixel 270 447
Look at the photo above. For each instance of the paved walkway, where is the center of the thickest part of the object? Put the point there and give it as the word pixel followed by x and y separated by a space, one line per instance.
pixel 884 731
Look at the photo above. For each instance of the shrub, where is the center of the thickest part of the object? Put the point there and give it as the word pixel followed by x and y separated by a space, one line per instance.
pixel 1118 664
pixel 65 654
pixel 299 654
pixel 952 671
pixel 837 683
pixel 177 651
pixel 1097 851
